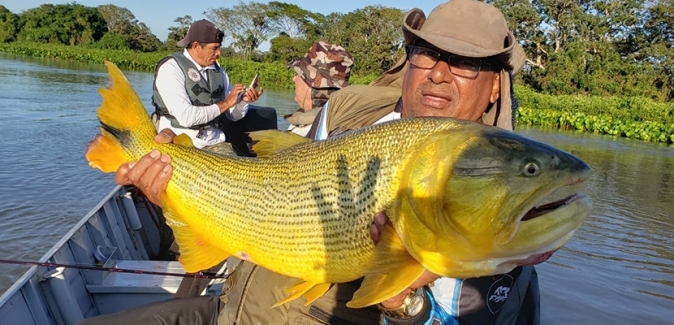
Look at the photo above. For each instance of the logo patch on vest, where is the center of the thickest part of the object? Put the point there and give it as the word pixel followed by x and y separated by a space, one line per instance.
pixel 498 293
pixel 193 74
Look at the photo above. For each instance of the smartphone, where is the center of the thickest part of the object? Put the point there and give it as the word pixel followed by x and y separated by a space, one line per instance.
pixel 253 85
pixel 256 80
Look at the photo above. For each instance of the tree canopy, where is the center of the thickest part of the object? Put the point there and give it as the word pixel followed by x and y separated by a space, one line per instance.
pixel 593 47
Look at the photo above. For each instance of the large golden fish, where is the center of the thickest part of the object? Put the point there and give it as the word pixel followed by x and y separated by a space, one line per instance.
pixel 462 198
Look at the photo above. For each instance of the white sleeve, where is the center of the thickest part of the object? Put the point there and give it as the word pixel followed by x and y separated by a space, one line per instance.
pixel 170 84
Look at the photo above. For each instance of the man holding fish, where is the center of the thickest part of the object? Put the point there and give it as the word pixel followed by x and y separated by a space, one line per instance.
pixel 459 63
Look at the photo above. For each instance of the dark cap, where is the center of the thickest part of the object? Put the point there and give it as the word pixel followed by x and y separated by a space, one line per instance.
pixel 324 66
pixel 202 31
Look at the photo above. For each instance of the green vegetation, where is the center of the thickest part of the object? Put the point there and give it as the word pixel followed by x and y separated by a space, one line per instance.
pixel 604 66
pixel 631 117
pixel 271 73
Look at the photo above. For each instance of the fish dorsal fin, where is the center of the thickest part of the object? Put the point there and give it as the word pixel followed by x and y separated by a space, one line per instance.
pixel 196 253
pixel 269 142
pixel 183 140
pixel 393 270
pixel 310 290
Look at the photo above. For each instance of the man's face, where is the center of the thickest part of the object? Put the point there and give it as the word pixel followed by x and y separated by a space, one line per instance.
pixel 206 54
pixel 302 93
pixel 439 92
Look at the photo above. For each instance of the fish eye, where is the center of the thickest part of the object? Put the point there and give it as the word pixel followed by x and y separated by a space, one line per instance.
pixel 531 169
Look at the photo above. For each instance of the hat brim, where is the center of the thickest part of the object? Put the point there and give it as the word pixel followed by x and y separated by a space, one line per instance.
pixel 183 42
pixel 411 32
pixel 457 47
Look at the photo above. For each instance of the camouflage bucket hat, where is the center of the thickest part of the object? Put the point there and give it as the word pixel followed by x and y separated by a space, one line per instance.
pixel 468 28
pixel 324 66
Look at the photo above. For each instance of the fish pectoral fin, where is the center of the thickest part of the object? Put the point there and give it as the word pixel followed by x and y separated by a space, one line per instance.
pixel 316 292
pixel 310 290
pixel 183 140
pixel 196 254
pixel 393 270
pixel 269 142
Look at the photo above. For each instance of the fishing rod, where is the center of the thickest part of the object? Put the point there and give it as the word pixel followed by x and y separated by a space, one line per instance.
pixel 200 275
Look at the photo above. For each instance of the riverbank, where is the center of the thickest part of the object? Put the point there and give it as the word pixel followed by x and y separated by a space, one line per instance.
pixel 273 74
pixel 632 117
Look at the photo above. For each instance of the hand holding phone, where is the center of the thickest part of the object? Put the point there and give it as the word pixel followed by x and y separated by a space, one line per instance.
pixel 253 85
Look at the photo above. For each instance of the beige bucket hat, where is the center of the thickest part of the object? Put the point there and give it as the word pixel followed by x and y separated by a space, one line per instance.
pixel 468 28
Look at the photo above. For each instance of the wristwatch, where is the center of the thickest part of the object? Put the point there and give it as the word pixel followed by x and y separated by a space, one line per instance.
pixel 412 305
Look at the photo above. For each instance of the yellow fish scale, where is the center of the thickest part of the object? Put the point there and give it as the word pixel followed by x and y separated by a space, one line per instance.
pixel 298 209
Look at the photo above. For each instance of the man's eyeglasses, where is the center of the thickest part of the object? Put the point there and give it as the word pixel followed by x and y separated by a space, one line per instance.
pixel 426 58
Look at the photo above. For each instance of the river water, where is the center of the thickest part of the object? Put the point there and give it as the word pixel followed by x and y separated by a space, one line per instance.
pixel 618 268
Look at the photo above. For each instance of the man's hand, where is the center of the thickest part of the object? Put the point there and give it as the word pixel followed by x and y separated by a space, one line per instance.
pixel 231 99
pixel 376 229
pixel 151 173
pixel 252 95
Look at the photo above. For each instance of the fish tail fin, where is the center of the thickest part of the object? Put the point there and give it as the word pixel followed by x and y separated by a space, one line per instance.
pixel 122 109
pixel 392 271
pixel 269 142
pixel 106 153
pixel 310 290
pixel 124 124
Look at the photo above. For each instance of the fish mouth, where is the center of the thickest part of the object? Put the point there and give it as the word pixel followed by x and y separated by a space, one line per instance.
pixel 543 230
pixel 536 258
pixel 544 209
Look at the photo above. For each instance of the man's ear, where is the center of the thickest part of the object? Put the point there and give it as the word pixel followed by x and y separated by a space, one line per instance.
pixel 495 88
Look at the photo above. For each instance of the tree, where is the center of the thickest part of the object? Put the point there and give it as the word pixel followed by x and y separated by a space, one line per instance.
pixel 176 33
pixel 70 24
pixel 585 46
pixel 121 22
pixel 297 29
pixel 372 35
pixel 9 25
pixel 656 45
pixel 526 25
pixel 247 25
pixel 285 48
pixel 291 20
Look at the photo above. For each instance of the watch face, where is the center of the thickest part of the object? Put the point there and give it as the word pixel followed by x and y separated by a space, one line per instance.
pixel 416 302
pixel 411 307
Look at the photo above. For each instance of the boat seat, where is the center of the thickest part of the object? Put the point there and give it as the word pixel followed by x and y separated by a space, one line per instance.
pixel 120 291
pixel 116 282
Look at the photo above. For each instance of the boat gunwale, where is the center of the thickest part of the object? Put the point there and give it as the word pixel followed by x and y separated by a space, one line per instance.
pixel 32 271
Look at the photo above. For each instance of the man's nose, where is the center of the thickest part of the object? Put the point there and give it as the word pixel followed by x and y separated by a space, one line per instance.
pixel 441 73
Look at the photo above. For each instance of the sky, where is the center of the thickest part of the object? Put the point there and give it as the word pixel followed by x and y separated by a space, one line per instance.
pixel 159 15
